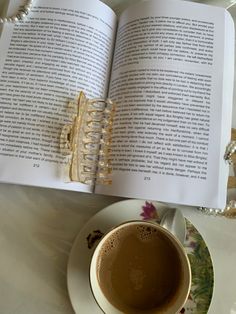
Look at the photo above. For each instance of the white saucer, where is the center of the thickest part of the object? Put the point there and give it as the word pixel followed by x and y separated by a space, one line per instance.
pixel 79 261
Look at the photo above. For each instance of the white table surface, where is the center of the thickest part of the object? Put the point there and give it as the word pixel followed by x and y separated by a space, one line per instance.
pixel 38 227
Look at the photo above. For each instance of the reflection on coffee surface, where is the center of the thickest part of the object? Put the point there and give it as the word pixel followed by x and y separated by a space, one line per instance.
pixel 139 270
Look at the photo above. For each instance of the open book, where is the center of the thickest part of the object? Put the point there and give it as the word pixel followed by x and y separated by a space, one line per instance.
pixel 167 64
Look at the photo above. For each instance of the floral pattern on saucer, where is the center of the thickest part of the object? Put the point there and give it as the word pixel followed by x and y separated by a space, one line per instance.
pixel 201 265
pixel 79 289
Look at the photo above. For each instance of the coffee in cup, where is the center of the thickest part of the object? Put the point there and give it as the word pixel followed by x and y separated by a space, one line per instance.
pixel 140 267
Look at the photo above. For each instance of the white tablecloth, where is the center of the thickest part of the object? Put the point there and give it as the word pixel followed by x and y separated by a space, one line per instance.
pixel 37 229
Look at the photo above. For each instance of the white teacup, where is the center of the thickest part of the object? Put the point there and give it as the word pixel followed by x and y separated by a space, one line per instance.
pixel 132 256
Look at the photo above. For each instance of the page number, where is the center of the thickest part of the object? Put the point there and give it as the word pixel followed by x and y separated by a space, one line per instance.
pixel 36 165
pixel 147 178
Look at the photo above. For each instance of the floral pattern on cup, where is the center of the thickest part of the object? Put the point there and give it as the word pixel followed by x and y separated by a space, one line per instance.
pixel 201 265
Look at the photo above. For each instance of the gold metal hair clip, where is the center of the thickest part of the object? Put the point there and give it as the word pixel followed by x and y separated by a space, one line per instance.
pixel 87 140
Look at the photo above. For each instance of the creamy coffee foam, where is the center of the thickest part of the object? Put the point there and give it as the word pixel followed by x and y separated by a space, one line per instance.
pixel 144 233
pixel 139 269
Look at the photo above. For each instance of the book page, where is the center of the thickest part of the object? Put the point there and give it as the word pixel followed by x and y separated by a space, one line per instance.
pixel 61 48
pixel 174 103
